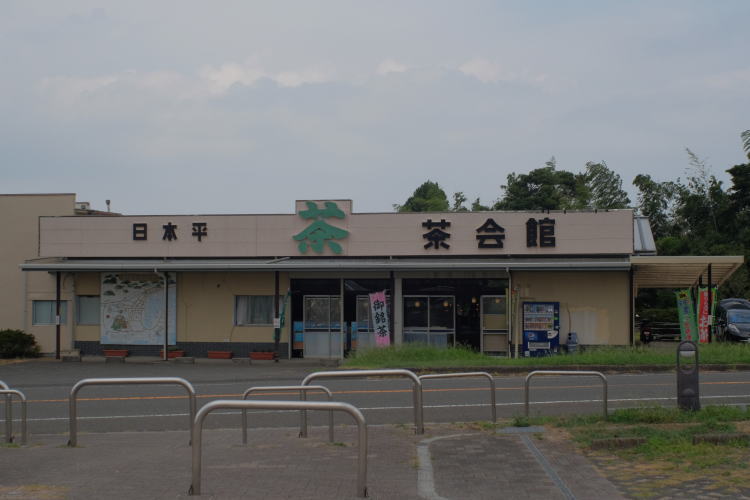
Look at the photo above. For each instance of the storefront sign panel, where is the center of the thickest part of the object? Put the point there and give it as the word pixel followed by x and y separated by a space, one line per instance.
pixel 324 232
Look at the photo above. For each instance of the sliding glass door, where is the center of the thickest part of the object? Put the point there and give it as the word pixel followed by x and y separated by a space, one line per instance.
pixel 430 319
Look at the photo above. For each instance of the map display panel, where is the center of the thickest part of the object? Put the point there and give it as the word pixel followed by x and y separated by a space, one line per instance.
pixel 133 309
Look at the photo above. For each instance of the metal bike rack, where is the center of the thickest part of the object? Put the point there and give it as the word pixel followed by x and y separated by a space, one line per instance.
pixel 72 407
pixel 564 372
pixel 469 374
pixel 9 393
pixel 416 390
pixel 289 388
pixel 195 487
pixel 8 413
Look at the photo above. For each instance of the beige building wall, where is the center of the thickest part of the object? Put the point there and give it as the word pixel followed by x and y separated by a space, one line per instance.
pixel 19 218
pixel 592 304
pixel 205 306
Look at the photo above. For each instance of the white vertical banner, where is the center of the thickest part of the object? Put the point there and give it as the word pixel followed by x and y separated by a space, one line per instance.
pixel 379 318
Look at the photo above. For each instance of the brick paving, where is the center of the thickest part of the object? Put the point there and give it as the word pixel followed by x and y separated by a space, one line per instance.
pixel 651 482
pixel 277 464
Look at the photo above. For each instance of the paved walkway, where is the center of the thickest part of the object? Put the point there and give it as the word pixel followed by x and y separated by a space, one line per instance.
pixel 447 462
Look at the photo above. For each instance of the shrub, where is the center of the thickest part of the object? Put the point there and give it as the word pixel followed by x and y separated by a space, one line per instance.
pixel 18 344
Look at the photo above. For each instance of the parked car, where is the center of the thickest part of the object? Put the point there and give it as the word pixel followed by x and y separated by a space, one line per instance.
pixel 733 320
pixel 659 330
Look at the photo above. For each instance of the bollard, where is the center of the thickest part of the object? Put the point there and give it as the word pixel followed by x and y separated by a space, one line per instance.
pixel 688 380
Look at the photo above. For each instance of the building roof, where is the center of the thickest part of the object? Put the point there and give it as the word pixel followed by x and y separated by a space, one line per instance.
pixel 643 238
pixel 682 272
pixel 648 271
pixel 328 264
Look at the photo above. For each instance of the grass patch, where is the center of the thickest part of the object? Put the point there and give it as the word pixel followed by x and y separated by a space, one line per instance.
pixel 668 432
pixel 667 459
pixel 425 356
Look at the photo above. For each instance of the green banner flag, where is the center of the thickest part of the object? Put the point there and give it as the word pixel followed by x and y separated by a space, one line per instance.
pixel 688 326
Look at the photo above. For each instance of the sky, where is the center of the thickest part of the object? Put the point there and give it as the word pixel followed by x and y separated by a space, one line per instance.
pixel 195 107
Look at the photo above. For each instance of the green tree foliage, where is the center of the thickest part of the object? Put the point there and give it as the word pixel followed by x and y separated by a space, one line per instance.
pixel 703 209
pixel 545 188
pixel 548 188
pixel 657 201
pixel 699 217
pixel 429 197
pixel 458 202
pixel 604 187
pixel 476 206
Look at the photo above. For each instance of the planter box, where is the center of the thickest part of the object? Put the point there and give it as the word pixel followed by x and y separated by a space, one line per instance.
pixel 115 352
pixel 263 355
pixel 220 354
pixel 172 354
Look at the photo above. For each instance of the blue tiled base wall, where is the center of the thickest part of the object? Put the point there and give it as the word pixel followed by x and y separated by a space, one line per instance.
pixel 195 349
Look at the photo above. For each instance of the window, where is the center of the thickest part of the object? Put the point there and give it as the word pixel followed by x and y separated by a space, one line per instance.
pixel 429 319
pixel 253 310
pixel 87 310
pixel 43 312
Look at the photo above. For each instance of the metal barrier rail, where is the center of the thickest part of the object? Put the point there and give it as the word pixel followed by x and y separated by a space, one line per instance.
pixel 8 413
pixel 416 390
pixel 195 487
pixel 72 407
pixel 564 372
pixel 470 374
pixel 9 393
pixel 289 388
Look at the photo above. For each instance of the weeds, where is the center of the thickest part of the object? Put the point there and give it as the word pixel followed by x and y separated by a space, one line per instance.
pixel 425 356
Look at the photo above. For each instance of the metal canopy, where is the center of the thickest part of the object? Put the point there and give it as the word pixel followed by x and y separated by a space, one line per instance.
pixel 682 272
pixel 326 264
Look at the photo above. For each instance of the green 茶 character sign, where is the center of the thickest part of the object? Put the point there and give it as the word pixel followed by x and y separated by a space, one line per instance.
pixel 317 234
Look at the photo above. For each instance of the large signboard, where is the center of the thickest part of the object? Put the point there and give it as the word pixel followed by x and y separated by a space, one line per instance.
pixel 133 309
pixel 330 228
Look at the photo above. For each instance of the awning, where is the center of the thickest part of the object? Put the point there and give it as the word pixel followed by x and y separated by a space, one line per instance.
pixel 682 272
pixel 327 264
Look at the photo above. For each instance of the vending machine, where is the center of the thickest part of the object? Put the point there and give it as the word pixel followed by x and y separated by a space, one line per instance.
pixel 541 328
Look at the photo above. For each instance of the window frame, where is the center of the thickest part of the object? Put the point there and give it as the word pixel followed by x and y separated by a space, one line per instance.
pixel 247 322
pixel 79 308
pixel 63 312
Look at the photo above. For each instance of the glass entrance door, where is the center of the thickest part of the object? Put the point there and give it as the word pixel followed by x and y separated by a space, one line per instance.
pixel 494 323
pixel 322 327
pixel 430 319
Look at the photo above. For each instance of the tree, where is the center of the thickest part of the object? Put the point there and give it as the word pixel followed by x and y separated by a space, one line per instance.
pixel 545 188
pixel 429 197
pixel 458 202
pixel 657 201
pixel 702 203
pixel 476 206
pixel 605 187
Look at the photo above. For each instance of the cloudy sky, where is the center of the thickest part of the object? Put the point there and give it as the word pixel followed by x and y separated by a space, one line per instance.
pixel 243 107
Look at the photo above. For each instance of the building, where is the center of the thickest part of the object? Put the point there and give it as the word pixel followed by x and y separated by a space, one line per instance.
pixel 505 283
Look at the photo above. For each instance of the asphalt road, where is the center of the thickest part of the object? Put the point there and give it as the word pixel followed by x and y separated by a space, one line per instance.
pixel 47 386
